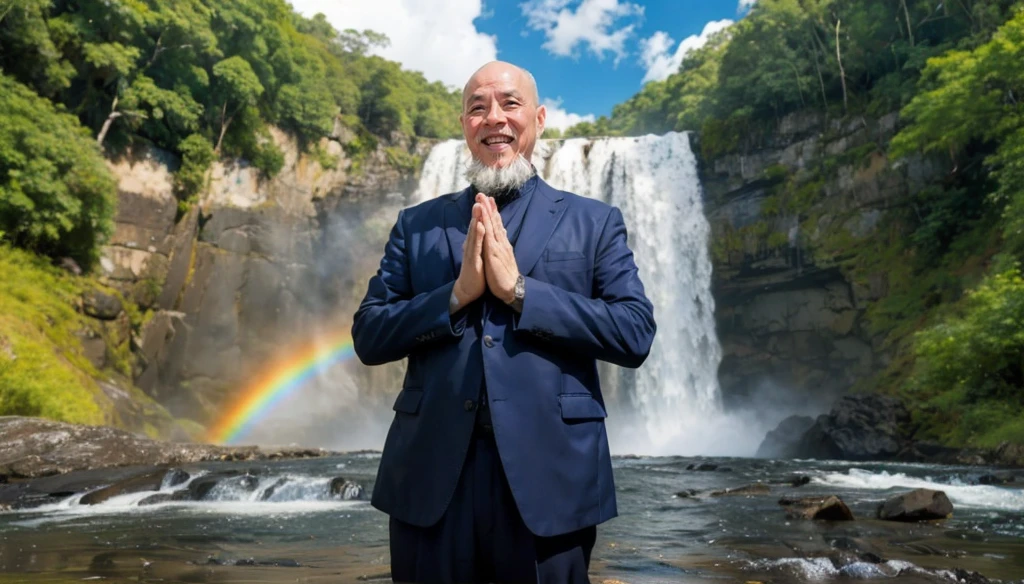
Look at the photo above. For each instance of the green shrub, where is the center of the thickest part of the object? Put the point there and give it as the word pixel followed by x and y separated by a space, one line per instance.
pixel 196 157
pixel 980 351
pixel 57 196
pixel 43 372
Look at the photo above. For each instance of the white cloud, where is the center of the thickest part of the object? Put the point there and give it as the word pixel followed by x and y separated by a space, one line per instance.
pixel 593 24
pixel 654 50
pixel 559 118
pixel 437 38
pixel 745 5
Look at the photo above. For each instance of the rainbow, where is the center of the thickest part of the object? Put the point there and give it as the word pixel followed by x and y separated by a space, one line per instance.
pixel 276 383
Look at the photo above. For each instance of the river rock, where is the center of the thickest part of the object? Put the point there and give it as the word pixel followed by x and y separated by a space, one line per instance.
pixel 747 490
pixel 830 508
pixel 863 427
pixel 1010 454
pixel 176 476
pixel 156 498
pixel 799 481
pixel 347 490
pixel 704 466
pixel 36 447
pixel 997 478
pixel 779 442
pixel 916 505
pixel 147 481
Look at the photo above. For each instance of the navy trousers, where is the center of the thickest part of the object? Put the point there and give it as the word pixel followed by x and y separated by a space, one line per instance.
pixel 482 538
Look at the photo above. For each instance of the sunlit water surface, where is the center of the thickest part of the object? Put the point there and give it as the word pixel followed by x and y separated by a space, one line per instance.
pixel 302 534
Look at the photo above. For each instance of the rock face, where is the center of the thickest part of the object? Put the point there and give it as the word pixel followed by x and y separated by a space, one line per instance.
pixel 34 447
pixel 869 427
pixel 256 265
pixel 917 505
pixel 779 442
pixel 787 320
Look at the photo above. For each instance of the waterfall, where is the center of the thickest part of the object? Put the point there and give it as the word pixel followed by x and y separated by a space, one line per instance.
pixel 671 405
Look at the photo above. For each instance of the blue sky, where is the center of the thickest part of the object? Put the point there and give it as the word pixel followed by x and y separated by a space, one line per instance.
pixel 587 55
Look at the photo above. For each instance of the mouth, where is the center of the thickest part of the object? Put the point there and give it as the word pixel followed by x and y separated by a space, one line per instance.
pixel 498 142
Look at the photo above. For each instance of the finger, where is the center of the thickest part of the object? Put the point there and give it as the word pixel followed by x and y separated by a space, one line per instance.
pixel 497 229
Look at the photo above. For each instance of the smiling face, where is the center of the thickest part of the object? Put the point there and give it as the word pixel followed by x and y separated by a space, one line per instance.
pixel 501 118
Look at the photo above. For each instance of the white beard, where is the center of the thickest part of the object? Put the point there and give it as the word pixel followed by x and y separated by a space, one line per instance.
pixel 491 180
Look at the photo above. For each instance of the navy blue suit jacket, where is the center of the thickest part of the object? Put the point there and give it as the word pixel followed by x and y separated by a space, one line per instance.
pixel 584 302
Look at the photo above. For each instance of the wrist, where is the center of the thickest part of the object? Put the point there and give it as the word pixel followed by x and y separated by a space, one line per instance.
pixel 459 298
pixel 518 293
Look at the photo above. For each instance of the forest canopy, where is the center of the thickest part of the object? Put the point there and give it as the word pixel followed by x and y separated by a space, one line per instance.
pixel 200 79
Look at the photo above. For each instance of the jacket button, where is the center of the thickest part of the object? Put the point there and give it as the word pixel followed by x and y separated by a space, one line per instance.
pixel 468 405
pixel 488 341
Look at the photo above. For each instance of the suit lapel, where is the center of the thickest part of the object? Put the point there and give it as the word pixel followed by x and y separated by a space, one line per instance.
pixel 456 225
pixel 546 207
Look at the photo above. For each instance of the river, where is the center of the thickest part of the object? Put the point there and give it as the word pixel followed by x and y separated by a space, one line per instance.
pixel 300 533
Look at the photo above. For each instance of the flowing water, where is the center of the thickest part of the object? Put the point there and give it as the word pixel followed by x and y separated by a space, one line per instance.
pixel 300 533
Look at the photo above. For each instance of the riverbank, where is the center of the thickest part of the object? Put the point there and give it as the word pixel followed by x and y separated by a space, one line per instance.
pixel 36 447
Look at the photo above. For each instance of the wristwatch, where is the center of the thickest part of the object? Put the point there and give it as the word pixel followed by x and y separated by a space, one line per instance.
pixel 518 293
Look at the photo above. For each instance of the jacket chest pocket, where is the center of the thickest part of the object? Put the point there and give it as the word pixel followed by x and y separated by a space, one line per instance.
pixel 565 261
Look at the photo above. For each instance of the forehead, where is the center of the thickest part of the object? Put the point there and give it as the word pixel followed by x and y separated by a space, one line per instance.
pixel 503 81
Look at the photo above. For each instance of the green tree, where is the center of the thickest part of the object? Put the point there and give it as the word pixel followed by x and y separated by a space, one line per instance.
pixel 973 96
pixel 236 87
pixel 56 195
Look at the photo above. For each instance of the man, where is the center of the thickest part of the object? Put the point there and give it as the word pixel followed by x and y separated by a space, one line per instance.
pixel 503 297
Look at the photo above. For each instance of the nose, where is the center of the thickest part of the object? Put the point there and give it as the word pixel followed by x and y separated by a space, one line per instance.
pixel 495 115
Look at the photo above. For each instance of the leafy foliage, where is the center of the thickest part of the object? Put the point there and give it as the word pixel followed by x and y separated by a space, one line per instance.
pixel 973 363
pixel 56 195
pixel 181 74
pixel 42 370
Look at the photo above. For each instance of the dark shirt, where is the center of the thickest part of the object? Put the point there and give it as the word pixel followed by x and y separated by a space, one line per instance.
pixel 512 207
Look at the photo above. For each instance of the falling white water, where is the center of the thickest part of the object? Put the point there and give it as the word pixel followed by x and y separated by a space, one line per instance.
pixel 674 397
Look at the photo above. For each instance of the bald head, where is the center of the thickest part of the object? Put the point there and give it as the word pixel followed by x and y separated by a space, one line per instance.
pixel 519 76
pixel 501 117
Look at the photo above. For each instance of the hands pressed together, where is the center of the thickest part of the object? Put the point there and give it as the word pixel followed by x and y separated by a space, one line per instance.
pixel 488 260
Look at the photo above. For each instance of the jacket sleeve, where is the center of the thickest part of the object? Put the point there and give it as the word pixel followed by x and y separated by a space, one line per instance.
pixel 616 325
pixel 391 321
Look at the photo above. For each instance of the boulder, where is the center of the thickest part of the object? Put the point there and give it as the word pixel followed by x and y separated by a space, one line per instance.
pixel 1010 454
pixel 799 481
pixel 916 505
pixel 147 481
pixel 830 508
pixel 101 305
pixel 780 442
pixel 345 489
pixel 863 427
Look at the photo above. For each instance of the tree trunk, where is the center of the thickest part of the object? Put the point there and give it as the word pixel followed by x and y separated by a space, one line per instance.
pixel 842 73
pixel 114 114
pixel 906 15
pixel 817 68
pixel 224 123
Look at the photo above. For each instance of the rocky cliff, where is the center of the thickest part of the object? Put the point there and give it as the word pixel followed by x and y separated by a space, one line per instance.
pixel 257 264
pixel 791 320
